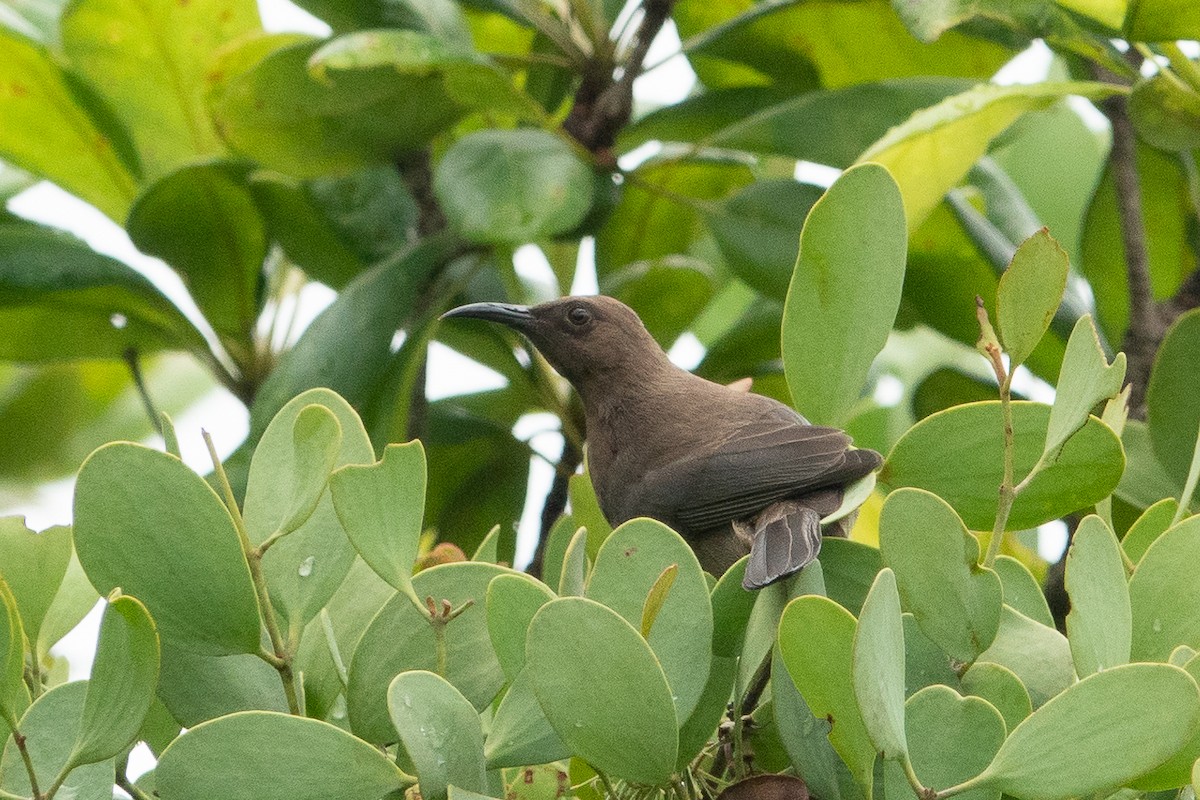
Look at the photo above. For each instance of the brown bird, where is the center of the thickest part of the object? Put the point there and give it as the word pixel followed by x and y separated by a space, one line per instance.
pixel 727 469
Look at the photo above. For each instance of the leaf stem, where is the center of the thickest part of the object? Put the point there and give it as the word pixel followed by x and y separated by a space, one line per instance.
pixel 921 789
pixel 19 740
pixel 1189 487
pixel 1008 492
pixel 282 661
pixel 1183 66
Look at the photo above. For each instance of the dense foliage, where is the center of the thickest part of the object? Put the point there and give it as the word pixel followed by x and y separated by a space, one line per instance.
pixel 273 611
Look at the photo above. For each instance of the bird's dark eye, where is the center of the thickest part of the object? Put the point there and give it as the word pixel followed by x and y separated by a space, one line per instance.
pixel 579 316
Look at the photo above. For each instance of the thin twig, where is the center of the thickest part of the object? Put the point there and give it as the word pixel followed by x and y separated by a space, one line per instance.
pixel 19 741
pixel 139 382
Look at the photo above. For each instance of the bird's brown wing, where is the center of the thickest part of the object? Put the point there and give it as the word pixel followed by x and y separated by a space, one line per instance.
pixel 760 462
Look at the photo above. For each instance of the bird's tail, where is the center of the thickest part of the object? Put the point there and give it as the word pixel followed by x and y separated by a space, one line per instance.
pixel 787 537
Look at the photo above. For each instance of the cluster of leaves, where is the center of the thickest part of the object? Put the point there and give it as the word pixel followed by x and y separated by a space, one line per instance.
pixel 293 641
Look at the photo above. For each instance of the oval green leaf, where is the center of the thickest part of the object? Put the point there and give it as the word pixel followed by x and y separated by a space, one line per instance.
pixel 1172 412
pixel 440 732
pixel 1146 529
pixel 1029 294
pixel 1022 591
pixel 1100 624
pixel 822 674
pixel 308 760
pixel 512 600
pixel 958 454
pixel 33 565
pixel 1037 654
pixel 1001 687
pixel 1102 732
pixel 878 667
pixel 146 523
pixel 1084 380
pixel 602 690
pixel 627 568
pixel 844 292
pixel 512 186
pixel 520 734
pixel 956 601
pixel 121 688
pixel 1164 595
pixel 12 654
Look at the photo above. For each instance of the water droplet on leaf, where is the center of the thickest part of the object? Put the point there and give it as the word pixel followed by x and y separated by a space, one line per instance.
pixel 306 566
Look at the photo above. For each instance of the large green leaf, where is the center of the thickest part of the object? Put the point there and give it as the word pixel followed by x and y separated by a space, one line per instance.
pixel 512 600
pixel 1159 20
pixel 59 299
pixel 440 732
pixel 1037 654
pixel 1100 625
pixel 49 130
pixel 196 688
pixel 822 675
pixel 400 638
pixel 150 62
pixel 381 506
pixel 511 187
pixel 146 523
pixel 1172 412
pixel 878 668
pixel 50 727
pixel 260 755
pixel 958 455
pixel 74 599
pixel 955 600
pixel 12 656
pixel 1146 529
pixel 602 690
pixel 305 567
pixel 1001 687
pixel 122 683
pixel 1165 601
pixel 931 152
pixel 1102 732
pixel 268 105
pixel 1086 378
pixel 628 566
pixel 844 292
pixel 33 565
pixel 519 733
pixel 202 220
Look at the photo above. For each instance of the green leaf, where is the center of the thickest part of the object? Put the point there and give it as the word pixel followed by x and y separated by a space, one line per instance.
pixel 121 688
pixel 202 220
pixel 758 230
pixel 585 510
pixel 440 732
pixel 33 565
pixel 1166 113
pixel 400 638
pixel 12 654
pixel 488 550
pixel 268 105
pixel 878 668
pixel 1099 626
pixel 603 690
pixel 1176 770
pixel 1164 599
pixel 520 734
pixel 806 739
pixel 844 293
pixel 656 597
pixel 469 78
pixel 304 568
pixel 381 508
pixel 666 293
pixel 59 299
pixel 849 570
pixel 822 676
pixel 1171 409
pixel 955 600
pixel 1160 20
pixel 626 571
pixel 958 455
pixel 512 187
pixel 308 760
pixel 1001 687
pixel 573 579
pixel 50 727
pixel 1153 522
pixel 697 729
pixel 959 130
pixel 1037 654
pixel 74 599
pixel 1145 481
pixel 150 63
pixel 953 738
pixel 1022 591
pixel 731 609
pixel 512 600
pixel 1102 732
pixel 925 664
pixel 146 523
pixel 49 131
pixel 197 688
pixel 1030 292
pixel 1086 379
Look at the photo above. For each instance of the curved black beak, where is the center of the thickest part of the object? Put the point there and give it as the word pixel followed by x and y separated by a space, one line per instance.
pixel 513 316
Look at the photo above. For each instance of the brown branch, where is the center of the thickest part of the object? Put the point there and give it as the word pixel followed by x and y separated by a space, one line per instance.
pixel 604 101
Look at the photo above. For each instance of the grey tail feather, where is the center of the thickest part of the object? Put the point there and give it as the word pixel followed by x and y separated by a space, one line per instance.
pixel 787 536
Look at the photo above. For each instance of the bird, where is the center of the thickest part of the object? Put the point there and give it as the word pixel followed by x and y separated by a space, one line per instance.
pixel 730 471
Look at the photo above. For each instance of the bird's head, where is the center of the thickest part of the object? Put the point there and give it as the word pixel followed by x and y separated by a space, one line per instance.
pixel 583 338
